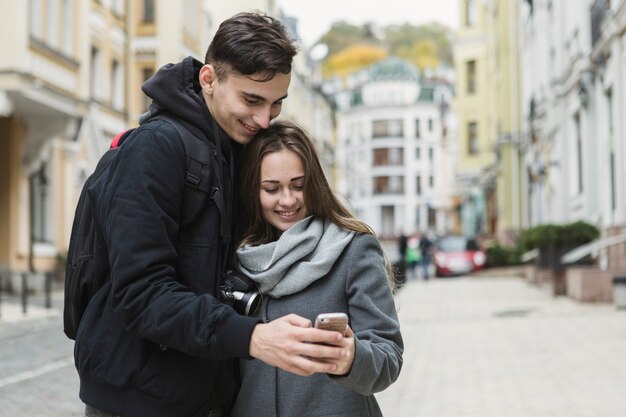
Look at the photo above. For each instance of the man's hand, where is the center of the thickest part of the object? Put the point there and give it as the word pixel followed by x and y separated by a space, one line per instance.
pixel 290 343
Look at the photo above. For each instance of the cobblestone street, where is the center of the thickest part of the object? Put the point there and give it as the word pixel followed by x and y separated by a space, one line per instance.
pixel 475 347
pixel 37 375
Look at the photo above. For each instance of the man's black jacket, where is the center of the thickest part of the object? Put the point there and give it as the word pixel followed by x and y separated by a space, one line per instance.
pixel 155 340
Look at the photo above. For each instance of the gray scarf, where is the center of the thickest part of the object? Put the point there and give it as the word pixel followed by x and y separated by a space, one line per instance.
pixel 303 254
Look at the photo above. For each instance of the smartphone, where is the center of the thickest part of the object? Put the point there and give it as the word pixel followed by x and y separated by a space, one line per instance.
pixel 332 321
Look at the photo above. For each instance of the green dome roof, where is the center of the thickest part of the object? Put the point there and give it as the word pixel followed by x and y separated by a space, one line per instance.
pixel 393 69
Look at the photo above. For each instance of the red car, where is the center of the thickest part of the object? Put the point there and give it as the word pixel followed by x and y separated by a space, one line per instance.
pixel 457 255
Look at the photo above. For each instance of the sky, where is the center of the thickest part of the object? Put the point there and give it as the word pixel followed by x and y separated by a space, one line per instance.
pixel 316 16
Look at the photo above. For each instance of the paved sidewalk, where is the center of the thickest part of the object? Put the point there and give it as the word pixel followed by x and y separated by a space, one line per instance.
pixel 475 347
pixel 37 375
pixel 12 311
pixel 499 347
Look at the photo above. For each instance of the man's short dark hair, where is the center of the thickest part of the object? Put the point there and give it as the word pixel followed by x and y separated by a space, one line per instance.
pixel 249 43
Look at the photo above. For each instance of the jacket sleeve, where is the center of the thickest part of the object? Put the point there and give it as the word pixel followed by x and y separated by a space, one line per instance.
pixel 140 221
pixel 373 318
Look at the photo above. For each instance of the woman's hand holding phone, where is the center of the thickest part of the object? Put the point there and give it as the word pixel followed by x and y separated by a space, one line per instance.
pixel 339 322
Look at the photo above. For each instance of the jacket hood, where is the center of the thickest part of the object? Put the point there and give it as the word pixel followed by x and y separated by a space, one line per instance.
pixel 175 89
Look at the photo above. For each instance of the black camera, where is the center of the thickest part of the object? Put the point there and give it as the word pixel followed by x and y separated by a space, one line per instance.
pixel 240 292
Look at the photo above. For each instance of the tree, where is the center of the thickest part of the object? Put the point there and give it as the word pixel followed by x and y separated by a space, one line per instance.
pixel 343 34
pixel 427 46
pixel 423 53
pixel 402 38
pixel 352 59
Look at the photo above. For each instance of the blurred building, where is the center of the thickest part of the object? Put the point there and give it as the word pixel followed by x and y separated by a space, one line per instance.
pixel 487 102
pixel 63 85
pixel 71 81
pixel 476 159
pixel 574 99
pixel 395 148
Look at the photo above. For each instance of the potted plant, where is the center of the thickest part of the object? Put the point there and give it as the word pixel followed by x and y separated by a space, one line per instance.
pixel 553 241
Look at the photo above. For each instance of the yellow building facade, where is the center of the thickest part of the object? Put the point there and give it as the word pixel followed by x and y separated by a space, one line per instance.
pixel 506 121
pixel 69 83
pixel 489 123
pixel 471 104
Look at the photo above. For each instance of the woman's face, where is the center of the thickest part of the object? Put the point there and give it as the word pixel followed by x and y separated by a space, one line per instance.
pixel 282 189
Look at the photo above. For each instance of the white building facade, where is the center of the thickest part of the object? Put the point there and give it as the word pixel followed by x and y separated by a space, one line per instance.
pixel 395 165
pixel 574 99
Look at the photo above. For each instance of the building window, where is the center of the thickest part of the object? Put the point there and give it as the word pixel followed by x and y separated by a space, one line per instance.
pixel 34 19
pixel 68 28
pixel 418 153
pixel 612 168
pixel 418 185
pixel 472 138
pixel 95 73
pixel 552 64
pixel 52 24
pixel 118 7
pixel 148 11
pixel 600 9
pixel 40 223
pixel 191 21
pixel 388 156
pixel 387 128
pixel 417 128
pixel 389 185
pixel 431 155
pixel 417 217
pixel 381 157
pixel 432 217
pixel 146 73
pixel 430 125
pixel 117 90
pixel 470 12
pixel 431 181
pixel 387 220
pixel 471 76
pixel 579 153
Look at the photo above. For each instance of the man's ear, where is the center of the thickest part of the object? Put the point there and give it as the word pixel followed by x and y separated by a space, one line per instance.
pixel 207 78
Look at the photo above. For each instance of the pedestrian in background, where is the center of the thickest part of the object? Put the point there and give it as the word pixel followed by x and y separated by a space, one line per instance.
pixel 399 267
pixel 309 255
pixel 426 249
pixel 413 256
pixel 156 341
pixel 402 245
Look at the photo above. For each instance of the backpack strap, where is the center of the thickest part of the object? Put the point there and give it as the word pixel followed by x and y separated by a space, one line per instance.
pixel 120 138
pixel 200 152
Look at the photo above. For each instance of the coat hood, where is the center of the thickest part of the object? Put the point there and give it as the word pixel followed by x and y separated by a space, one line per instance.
pixel 175 89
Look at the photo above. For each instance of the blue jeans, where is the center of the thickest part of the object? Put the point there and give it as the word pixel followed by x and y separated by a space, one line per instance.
pixel 425 265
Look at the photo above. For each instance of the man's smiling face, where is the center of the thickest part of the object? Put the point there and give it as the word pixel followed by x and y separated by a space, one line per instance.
pixel 243 104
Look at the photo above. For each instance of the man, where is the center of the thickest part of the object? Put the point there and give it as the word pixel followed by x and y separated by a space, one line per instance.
pixel 156 342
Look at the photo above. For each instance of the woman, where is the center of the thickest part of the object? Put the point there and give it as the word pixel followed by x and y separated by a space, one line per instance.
pixel 309 255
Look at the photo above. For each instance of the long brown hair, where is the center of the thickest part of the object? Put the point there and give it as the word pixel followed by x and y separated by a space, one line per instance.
pixel 319 198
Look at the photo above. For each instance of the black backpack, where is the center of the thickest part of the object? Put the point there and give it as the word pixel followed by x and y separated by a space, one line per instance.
pixel 85 273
